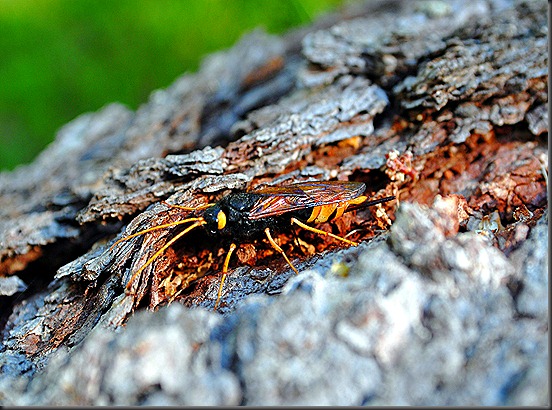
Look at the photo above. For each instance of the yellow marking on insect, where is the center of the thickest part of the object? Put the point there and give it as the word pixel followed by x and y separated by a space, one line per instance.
pixel 357 201
pixel 221 220
pixel 341 207
pixel 314 214
pixel 322 213
pixel 325 212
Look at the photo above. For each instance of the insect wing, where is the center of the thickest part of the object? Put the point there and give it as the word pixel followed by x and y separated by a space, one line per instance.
pixel 277 200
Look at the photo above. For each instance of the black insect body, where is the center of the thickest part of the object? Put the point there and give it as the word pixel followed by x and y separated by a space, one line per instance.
pixel 230 217
pixel 246 215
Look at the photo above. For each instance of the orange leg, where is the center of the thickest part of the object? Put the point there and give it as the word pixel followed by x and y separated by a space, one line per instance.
pixel 224 273
pixel 321 232
pixel 277 247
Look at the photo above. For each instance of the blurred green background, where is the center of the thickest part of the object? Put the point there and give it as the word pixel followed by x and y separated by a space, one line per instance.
pixel 62 58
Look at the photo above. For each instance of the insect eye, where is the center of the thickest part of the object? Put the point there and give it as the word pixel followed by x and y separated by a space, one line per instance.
pixel 221 220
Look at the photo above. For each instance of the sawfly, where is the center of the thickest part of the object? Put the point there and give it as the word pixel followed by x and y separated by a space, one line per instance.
pixel 243 216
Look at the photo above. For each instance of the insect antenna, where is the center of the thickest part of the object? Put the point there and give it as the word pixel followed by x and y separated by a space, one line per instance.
pixel 190 208
pixel 198 222
pixel 155 228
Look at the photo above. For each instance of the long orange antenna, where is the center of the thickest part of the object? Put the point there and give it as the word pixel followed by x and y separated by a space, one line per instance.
pixel 189 208
pixel 199 222
pixel 154 228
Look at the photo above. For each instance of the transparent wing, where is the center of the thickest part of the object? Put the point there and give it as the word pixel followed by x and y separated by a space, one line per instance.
pixel 277 200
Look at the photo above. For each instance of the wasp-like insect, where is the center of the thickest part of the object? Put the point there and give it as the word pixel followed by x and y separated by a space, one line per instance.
pixel 246 215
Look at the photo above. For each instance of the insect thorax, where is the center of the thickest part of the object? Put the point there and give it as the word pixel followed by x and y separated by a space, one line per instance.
pixel 236 211
pixel 239 225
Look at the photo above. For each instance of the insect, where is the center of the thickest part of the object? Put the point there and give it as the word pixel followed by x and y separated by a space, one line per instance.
pixel 247 215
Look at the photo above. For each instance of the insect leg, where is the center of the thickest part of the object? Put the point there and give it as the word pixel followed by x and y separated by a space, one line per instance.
pixel 275 246
pixel 224 273
pixel 321 232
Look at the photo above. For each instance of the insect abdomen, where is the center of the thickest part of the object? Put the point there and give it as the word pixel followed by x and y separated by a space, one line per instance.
pixel 323 213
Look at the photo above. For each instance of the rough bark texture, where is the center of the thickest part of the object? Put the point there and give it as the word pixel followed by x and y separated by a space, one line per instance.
pixel 444 301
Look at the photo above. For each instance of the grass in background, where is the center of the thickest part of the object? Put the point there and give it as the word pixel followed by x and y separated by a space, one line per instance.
pixel 62 58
